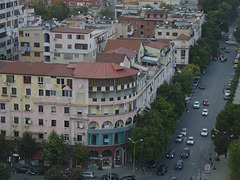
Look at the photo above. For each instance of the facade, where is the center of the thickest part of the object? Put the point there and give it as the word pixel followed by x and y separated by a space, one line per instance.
pixel 11 18
pixel 30 19
pixel 79 3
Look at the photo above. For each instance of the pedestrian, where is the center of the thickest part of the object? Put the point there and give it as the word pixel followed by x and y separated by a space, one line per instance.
pixel 142 170
pixel 225 155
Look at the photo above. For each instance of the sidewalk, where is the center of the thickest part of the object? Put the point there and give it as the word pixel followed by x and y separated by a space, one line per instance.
pixel 220 173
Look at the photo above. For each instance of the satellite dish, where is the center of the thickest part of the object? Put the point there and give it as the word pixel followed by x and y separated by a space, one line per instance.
pixel 80 125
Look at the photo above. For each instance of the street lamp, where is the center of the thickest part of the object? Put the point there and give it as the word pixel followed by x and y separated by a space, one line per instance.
pixel 197 170
pixel 134 148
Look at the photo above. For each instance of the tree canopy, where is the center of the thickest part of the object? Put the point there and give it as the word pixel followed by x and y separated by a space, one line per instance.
pixel 58 10
pixel 40 8
pixel 4 172
pixel 234 160
pixel 5 146
pixel 105 12
pixel 53 174
pixel 82 9
pixel 54 150
pixel 81 154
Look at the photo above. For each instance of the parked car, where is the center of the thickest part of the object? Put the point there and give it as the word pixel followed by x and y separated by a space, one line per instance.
pixel 179 164
pixel 204 132
pixel 113 176
pixel 88 175
pixel 128 178
pixel 162 170
pixel 202 87
pixel 204 112
pixel 190 140
pixel 23 170
pixel 196 105
pixel 227 50
pixel 185 153
pixel 68 172
pixel 179 138
pixel 171 153
pixel 41 171
pixel 31 172
pixel 152 164
pixel 205 102
pixel 184 131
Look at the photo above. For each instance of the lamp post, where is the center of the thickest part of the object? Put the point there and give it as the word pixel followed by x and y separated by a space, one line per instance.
pixel 134 149
pixel 197 170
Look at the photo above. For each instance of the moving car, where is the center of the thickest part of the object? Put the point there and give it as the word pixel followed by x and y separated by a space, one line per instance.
pixel 202 87
pixel 184 131
pixel 23 170
pixel 128 178
pixel 88 175
pixel 204 112
pixel 171 153
pixel 185 153
pixel 205 102
pixel 231 43
pixel 204 132
pixel 113 176
pixel 162 169
pixel 152 164
pixel 31 172
pixel 179 164
pixel 196 105
pixel 227 50
pixel 190 140
pixel 179 138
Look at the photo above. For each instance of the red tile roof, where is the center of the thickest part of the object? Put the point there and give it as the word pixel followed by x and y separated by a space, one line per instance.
pixel 128 44
pixel 159 44
pixel 110 58
pixel 102 71
pixel 122 50
pixel 71 30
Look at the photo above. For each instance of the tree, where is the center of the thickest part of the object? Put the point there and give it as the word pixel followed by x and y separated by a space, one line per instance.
pixel 167 6
pixel 40 8
pixel 54 150
pixel 27 146
pixel 58 10
pixel 77 174
pixel 81 154
pixel 4 172
pixel 185 79
pixel 5 146
pixel 105 12
pixel 82 9
pixel 234 160
pixel 148 6
pixel 53 174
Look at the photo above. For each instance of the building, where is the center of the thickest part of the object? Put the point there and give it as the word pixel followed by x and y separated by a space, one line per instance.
pixel 87 3
pixel 30 19
pixel 11 19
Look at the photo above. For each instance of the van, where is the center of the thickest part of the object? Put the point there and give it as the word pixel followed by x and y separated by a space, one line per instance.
pixel 236 61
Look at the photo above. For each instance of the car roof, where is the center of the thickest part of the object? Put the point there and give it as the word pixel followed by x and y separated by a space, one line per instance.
pixel 204 109
pixel 190 137
pixel 204 129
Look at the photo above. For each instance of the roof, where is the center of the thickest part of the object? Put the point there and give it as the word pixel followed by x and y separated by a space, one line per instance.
pixel 71 30
pixel 182 37
pixel 128 44
pixel 159 44
pixel 102 71
pixel 122 50
pixel 110 58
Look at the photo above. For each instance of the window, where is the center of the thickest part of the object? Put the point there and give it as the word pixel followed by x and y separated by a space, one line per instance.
pixel 142 26
pixel 36 35
pixel 69 36
pixel 50 93
pixel 16 134
pixel 56 55
pixel 93 111
pixel 53 110
pixel 66 123
pixel 3 133
pixel 54 123
pixel 76 55
pixel 122 86
pixel 27 121
pixel 119 98
pixel 66 110
pixel 80 37
pixel 175 34
pixel 69 46
pixel 103 99
pixel 27 107
pixel 40 108
pixel 79 137
pixel 10 78
pixel 99 88
pixel 40 80
pixel 14 91
pixel 27 35
pixel 60 81
pixel 3 119
pixel 58 36
pixel 40 122
pixel 105 139
pixel 141 33
pixel 4 91
pixel 36 45
pixel 41 92
pixel 81 46
pixel 2 106
pixel 59 46
pixel 66 137
pixel 16 107
pixel 69 83
pixel 105 111
pixel 175 51
pixel 16 120
pixel 27 79
pixel 159 33
pixel 28 92
pixel 167 33
pixel 79 111
pixel 66 93
pixel 110 99
pixel 37 54
pixel 148 30
pixel 93 139
pixel 40 136
pixel 183 53
pixel 94 99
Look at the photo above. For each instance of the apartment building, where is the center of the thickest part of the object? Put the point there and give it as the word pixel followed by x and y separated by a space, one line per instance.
pixel 11 18
pixel 79 3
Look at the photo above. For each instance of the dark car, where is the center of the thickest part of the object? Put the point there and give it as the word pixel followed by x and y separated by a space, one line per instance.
pixel 227 50
pixel 162 169
pixel 23 170
pixel 185 153
pixel 152 164
pixel 179 164
pixel 171 153
pixel 205 102
pixel 128 178
pixel 113 176
pixel 179 138
pixel 202 87
pixel 41 171
pixel 31 172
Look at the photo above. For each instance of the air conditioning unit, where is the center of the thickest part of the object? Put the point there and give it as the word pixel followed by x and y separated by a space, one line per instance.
pixel 29 121
pixel 29 109
pixel 80 125
pixel 14 125
pixel 8 83
pixel 3 110
pixel 40 85
pixel 27 96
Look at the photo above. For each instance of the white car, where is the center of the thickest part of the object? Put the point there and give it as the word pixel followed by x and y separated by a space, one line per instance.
pixel 190 141
pixel 204 112
pixel 231 43
pixel 184 131
pixel 204 132
pixel 88 175
pixel 196 105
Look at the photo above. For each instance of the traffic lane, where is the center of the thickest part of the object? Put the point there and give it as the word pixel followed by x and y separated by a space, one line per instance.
pixel 24 177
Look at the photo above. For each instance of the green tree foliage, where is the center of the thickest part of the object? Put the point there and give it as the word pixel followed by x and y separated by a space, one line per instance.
pixel 167 6
pixel 154 127
pixel 53 174
pixel 236 33
pixel 82 9
pixel 54 150
pixel 5 146
pixel 40 8
pixel 58 10
pixel 105 12
pixel 27 146
pixel 77 174
pixel 4 172
pixel 234 160
pixel 148 6
pixel 81 154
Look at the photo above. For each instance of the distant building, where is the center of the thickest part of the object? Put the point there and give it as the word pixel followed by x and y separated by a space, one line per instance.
pixel 79 3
